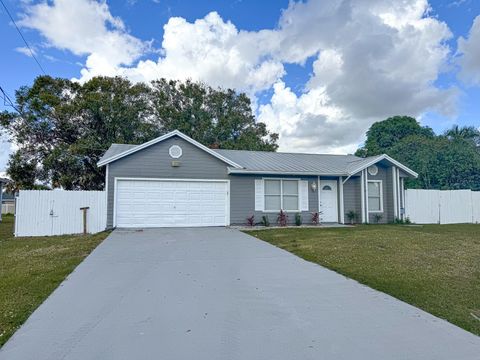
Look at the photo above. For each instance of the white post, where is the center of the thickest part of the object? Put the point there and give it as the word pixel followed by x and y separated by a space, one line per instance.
pixel 402 194
pixel 362 190
pixel 318 195
pixel 394 187
pixel 367 213
pixel 340 189
pixel 399 196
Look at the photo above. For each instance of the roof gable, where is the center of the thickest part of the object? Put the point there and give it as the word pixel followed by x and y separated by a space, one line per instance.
pixel 366 162
pixel 116 151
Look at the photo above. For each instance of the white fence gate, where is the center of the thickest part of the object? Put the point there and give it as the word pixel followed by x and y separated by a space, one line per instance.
pixel 57 212
pixel 442 206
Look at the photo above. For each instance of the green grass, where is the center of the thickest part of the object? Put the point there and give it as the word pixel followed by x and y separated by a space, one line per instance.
pixel 31 268
pixel 434 267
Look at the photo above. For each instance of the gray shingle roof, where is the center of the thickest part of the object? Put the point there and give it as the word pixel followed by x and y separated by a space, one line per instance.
pixel 116 149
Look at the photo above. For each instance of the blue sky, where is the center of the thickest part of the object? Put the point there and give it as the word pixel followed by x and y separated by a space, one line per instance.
pixel 318 72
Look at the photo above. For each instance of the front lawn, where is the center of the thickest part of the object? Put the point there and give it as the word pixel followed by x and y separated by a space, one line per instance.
pixel 434 267
pixel 31 268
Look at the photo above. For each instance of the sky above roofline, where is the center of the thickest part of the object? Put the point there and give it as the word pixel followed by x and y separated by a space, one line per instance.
pixel 319 72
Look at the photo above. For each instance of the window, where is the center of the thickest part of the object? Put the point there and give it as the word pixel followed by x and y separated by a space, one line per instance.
pixel 327 188
pixel 375 196
pixel 281 194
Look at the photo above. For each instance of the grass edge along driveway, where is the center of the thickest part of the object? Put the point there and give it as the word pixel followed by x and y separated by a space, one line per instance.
pixel 31 268
pixel 433 267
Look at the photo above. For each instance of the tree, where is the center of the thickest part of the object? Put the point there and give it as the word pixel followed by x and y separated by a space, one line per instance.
pixel 468 133
pixel 214 117
pixel 449 161
pixel 64 127
pixel 384 134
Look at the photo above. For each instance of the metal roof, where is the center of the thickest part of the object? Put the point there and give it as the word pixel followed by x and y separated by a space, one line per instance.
pixel 298 163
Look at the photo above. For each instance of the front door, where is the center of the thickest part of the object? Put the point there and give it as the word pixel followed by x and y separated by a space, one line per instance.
pixel 328 201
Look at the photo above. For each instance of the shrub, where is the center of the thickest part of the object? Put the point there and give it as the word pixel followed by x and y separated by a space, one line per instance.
pixel 282 218
pixel 251 220
pixel 377 218
pixel 400 221
pixel 352 216
pixel 265 222
pixel 315 218
pixel 298 219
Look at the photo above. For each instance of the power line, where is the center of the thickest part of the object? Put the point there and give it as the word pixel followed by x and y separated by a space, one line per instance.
pixel 23 38
pixel 6 99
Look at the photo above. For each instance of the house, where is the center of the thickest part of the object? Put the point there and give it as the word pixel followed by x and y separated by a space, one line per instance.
pixel 174 180
pixel 3 181
pixel 8 203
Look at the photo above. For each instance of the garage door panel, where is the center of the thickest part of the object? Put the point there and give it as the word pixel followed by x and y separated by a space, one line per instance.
pixel 155 203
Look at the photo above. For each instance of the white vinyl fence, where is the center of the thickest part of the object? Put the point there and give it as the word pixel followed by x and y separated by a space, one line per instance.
pixel 57 212
pixel 442 206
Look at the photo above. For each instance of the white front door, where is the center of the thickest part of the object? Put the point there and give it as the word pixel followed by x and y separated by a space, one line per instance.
pixel 165 203
pixel 328 201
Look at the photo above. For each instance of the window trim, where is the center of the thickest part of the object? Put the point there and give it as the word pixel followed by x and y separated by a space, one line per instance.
pixel 281 194
pixel 381 196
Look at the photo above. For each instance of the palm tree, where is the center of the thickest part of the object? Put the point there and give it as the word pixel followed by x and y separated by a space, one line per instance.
pixel 468 133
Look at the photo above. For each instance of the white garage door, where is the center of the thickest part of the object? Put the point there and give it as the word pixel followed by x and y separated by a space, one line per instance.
pixel 162 203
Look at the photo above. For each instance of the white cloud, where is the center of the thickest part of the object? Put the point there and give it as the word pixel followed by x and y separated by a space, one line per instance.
pixel 470 54
pixel 373 59
pixel 5 149
pixel 84 27
pixel 213 51
pixel 26 51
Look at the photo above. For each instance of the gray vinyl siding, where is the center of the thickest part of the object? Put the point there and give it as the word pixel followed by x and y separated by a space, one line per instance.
pixel 352 197
pixel 242 200
pixel 384 174
pixel 155 162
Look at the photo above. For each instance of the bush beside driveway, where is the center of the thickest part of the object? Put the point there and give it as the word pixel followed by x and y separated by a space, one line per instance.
pixel 433 267
pixel 31 268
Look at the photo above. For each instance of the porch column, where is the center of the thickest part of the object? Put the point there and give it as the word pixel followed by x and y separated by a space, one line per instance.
pixel 341 206
pixel 367 215
pixel 395 192
pixel 362 191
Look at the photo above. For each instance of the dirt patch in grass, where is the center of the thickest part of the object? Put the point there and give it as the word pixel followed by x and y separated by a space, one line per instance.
pixel 31 268
pixel 434 267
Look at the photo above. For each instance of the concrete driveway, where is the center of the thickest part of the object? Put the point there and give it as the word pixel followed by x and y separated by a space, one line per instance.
pixel 215 293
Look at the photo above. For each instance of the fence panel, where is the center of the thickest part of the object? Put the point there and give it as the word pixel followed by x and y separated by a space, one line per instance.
pixel 455 206
pixel 57 212
pixel 476 207
pixel 423 206
pixel 442 207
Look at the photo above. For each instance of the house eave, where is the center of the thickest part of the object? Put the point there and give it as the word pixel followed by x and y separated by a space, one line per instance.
pixel 388 158
pixel 165 137
pixel 279 173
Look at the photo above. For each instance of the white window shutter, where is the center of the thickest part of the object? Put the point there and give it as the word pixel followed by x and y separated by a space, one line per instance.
pixel 303 195
pixel 259 198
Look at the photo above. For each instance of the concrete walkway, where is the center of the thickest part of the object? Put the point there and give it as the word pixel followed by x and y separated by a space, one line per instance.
pixel 216 293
